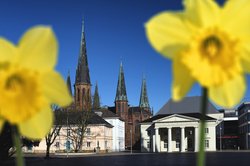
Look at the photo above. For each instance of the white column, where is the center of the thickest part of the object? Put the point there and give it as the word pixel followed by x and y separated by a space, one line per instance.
pixel 196 139
pixel 157 147
pixel 182 139
pixel 154 143
pixel 169 139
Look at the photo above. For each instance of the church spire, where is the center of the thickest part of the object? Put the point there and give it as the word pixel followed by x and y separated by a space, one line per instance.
pixel 82 79
pixel 82 71
pixel 69 84
pixel 121 93
pixel 96 100
pixel 144 96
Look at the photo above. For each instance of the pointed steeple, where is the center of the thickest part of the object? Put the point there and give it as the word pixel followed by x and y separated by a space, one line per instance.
pixel 96 100
pixel 121 93
pixel 69 84
pixel 144 96
pixel 82 71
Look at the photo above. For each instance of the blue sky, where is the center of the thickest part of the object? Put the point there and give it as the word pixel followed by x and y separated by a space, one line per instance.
pixel 114 32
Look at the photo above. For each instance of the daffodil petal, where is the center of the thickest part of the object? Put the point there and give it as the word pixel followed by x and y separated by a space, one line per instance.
pixel 202 13
pixel 230 93
pixel 235 17
pixel 55 89
pixel 245 57
pixel 182 81
pixel 7 50
pixel 167 33
pixel 38 125
pixel 38 48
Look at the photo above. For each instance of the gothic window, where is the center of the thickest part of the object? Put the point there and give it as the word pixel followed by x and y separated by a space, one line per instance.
pixel 88 95
pixel 78 94
pixel 83 92
pixel 122 107
pixel 119 107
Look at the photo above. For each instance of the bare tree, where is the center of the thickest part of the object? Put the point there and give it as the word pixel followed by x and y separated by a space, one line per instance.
pixel 79 126
pixel 54 132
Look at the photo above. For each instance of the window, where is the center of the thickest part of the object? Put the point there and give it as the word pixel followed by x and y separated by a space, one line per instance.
pixel 79 131
pixel 206 130
pixel 206 143
pixel 165 143
pixel 29 147
pixel 57 144
pixel 177 144
pixel 122 107
pixel 58 131
pixel 68 132
pixel 88 131
pixel 148 144
pixel 106 144
pixel 119 107
pixel 78 94
pixel 88 144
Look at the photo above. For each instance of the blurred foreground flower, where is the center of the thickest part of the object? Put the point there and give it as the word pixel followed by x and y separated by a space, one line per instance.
pixel 29 84
pixel 208 44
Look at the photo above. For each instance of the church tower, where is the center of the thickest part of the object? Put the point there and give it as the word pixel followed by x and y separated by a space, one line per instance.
pixel 82 79
pixel 144 104
pixel 121 100
pixel 69 84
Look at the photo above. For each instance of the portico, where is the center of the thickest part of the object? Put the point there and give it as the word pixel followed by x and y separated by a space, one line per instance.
pixel 176 133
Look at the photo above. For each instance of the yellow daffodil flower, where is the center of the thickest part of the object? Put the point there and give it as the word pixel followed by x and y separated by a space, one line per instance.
pixel 209 44
pixel 29 84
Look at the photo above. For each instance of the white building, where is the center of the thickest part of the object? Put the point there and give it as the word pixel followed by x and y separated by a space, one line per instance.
pixel 118 129
pixel 98 133
pixel 176 128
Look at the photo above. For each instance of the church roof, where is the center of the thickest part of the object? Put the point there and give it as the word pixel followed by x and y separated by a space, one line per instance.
pixel 144 96
pixel 186 105
pixel 121 93
pixel 193 115
pixel 69 84
pixel 82 71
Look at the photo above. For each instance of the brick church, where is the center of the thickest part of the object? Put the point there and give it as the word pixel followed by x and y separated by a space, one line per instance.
pixel 132 116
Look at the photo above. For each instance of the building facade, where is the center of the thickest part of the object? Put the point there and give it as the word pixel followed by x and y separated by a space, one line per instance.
pixel 227 130
pixel 244 125
pixel 175 128
pixel 176 133
pixel 118 130
pixel 97 135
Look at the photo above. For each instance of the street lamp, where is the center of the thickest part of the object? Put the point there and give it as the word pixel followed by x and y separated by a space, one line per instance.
pixel 220 137
pixel 219 121
pixel 131 139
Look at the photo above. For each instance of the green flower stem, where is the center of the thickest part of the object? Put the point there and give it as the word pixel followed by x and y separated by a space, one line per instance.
pixel 201 154
pixel 17 144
